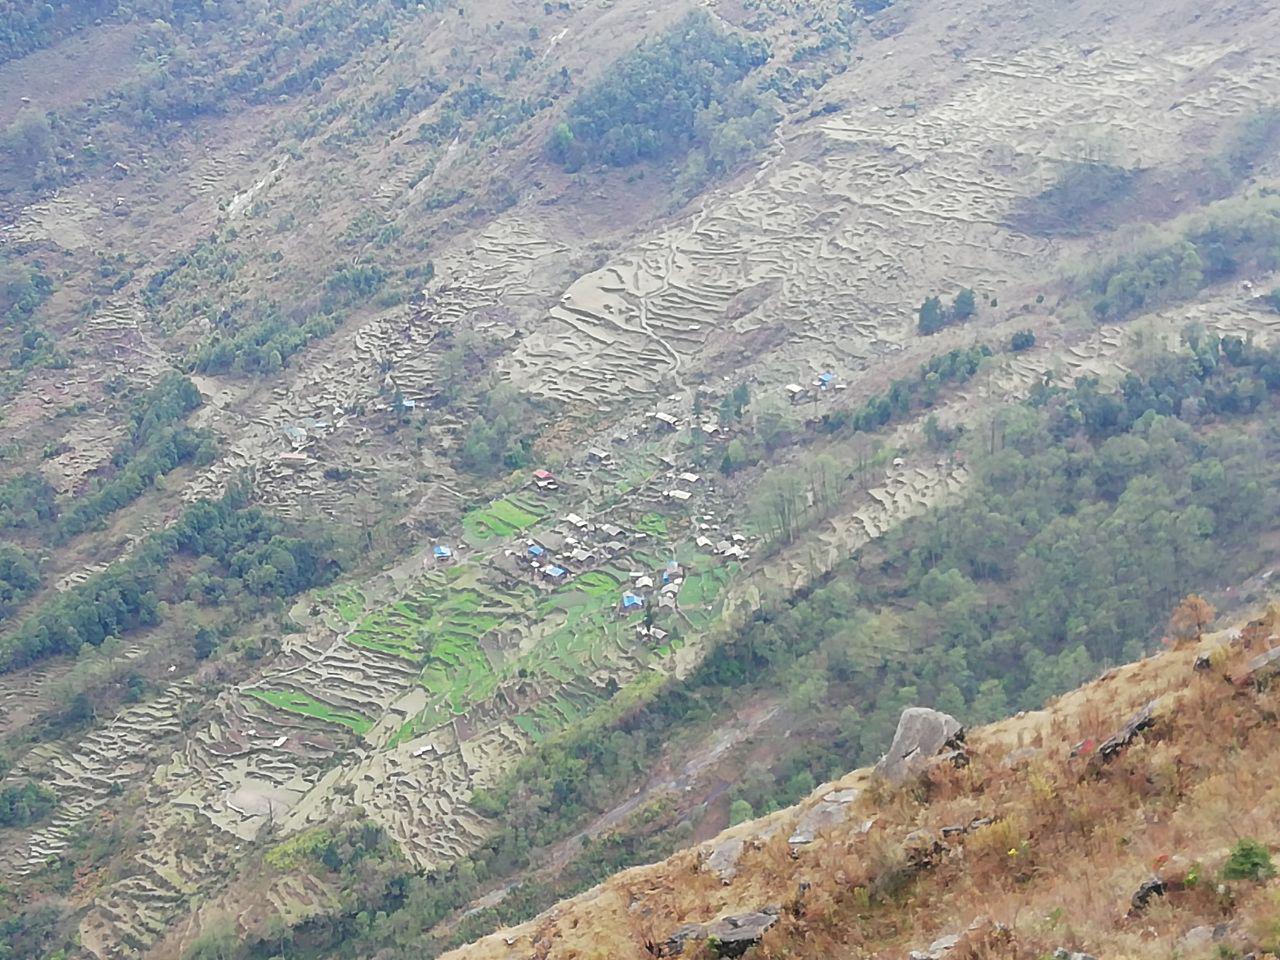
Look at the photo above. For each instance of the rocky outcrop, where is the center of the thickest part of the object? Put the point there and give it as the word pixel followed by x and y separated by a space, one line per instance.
pixel 1261 668
pixel 828 812
pixel 922 735
pixel 722 859
pixel 938 950
pixel 1106 751
pixel 728 937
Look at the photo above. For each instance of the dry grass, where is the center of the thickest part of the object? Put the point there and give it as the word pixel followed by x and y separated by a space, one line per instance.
pixel 1069 842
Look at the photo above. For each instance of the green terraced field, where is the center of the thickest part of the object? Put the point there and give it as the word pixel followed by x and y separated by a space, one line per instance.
pixel 351 606
pixel 307 706
pixel 501 519
pixel 598 583
pixel 703 588
pixel 654 524
pixel 395 629
pixel 459 673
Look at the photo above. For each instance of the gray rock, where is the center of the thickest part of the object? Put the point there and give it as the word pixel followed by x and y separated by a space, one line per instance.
pixel 723 859
pixel 1061 954
pixel 829 811
pixel 674 945
pixel 938 950
pixel 733 936
pixel 922 734
pixel 1201 938
pixel 1155 887
pixel 1144 719
pixel 1262 667
pixel 729 936
pixel 1016 759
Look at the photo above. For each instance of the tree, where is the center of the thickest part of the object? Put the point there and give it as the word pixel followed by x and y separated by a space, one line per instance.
pixel 1022 340
pixel 30 139
pixel 964 306
pixel 1190 618
pixel 931 316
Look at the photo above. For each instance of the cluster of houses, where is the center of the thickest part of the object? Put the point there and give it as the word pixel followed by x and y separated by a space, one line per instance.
pixel 671 423
pixel 733 548
pixel 643 587
pixel 823 382
pixel 679 495
pixel 301 433
pixel 576 544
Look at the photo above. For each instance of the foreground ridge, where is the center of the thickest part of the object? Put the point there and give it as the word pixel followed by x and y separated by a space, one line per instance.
pixel 1118 821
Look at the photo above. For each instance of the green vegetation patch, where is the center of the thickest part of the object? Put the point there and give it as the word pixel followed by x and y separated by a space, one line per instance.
pixel 597 583
pixel 308 706
pixel 653 524
pixel 501 519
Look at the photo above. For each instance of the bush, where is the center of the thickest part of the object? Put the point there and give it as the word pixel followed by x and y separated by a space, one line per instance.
pixel 1022 340
pixel 1249 860
pixel 24 804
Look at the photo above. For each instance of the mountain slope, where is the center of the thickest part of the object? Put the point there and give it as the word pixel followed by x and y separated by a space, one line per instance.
pixel 347 227
pixel 1048 837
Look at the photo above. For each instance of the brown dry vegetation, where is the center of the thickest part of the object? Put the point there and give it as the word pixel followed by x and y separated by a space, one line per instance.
pixel 1071 839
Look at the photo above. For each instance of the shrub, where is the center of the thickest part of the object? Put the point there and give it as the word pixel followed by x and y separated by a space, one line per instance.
pixel 1022 340
pixel 1249 860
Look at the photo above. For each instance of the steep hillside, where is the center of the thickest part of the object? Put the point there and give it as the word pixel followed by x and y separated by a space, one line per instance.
pixel 453 452
pixel 1134 817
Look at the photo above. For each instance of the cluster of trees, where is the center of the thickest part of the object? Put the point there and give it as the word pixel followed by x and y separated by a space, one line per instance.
pixel 24 803
pixel 19 578
pixel 1223 376
pixel 1022 340
pixel 29 25
pixel 23 289
pixel 771 425
pixel 1231 236
pixel 26 502
pixel 911 393
pixel 933 316
pixel 241 551
pixel 499 437
pixel 261 347
pixel 157 443
pixel 683 89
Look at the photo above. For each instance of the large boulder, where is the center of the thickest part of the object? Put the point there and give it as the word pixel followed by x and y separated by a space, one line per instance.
pixel 1261 668
pixel 830 811
pixel 922 735
pixel 722 859
pixel 727 937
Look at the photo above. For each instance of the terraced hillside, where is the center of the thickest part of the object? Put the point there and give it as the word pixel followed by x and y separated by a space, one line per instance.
pixel 365 250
